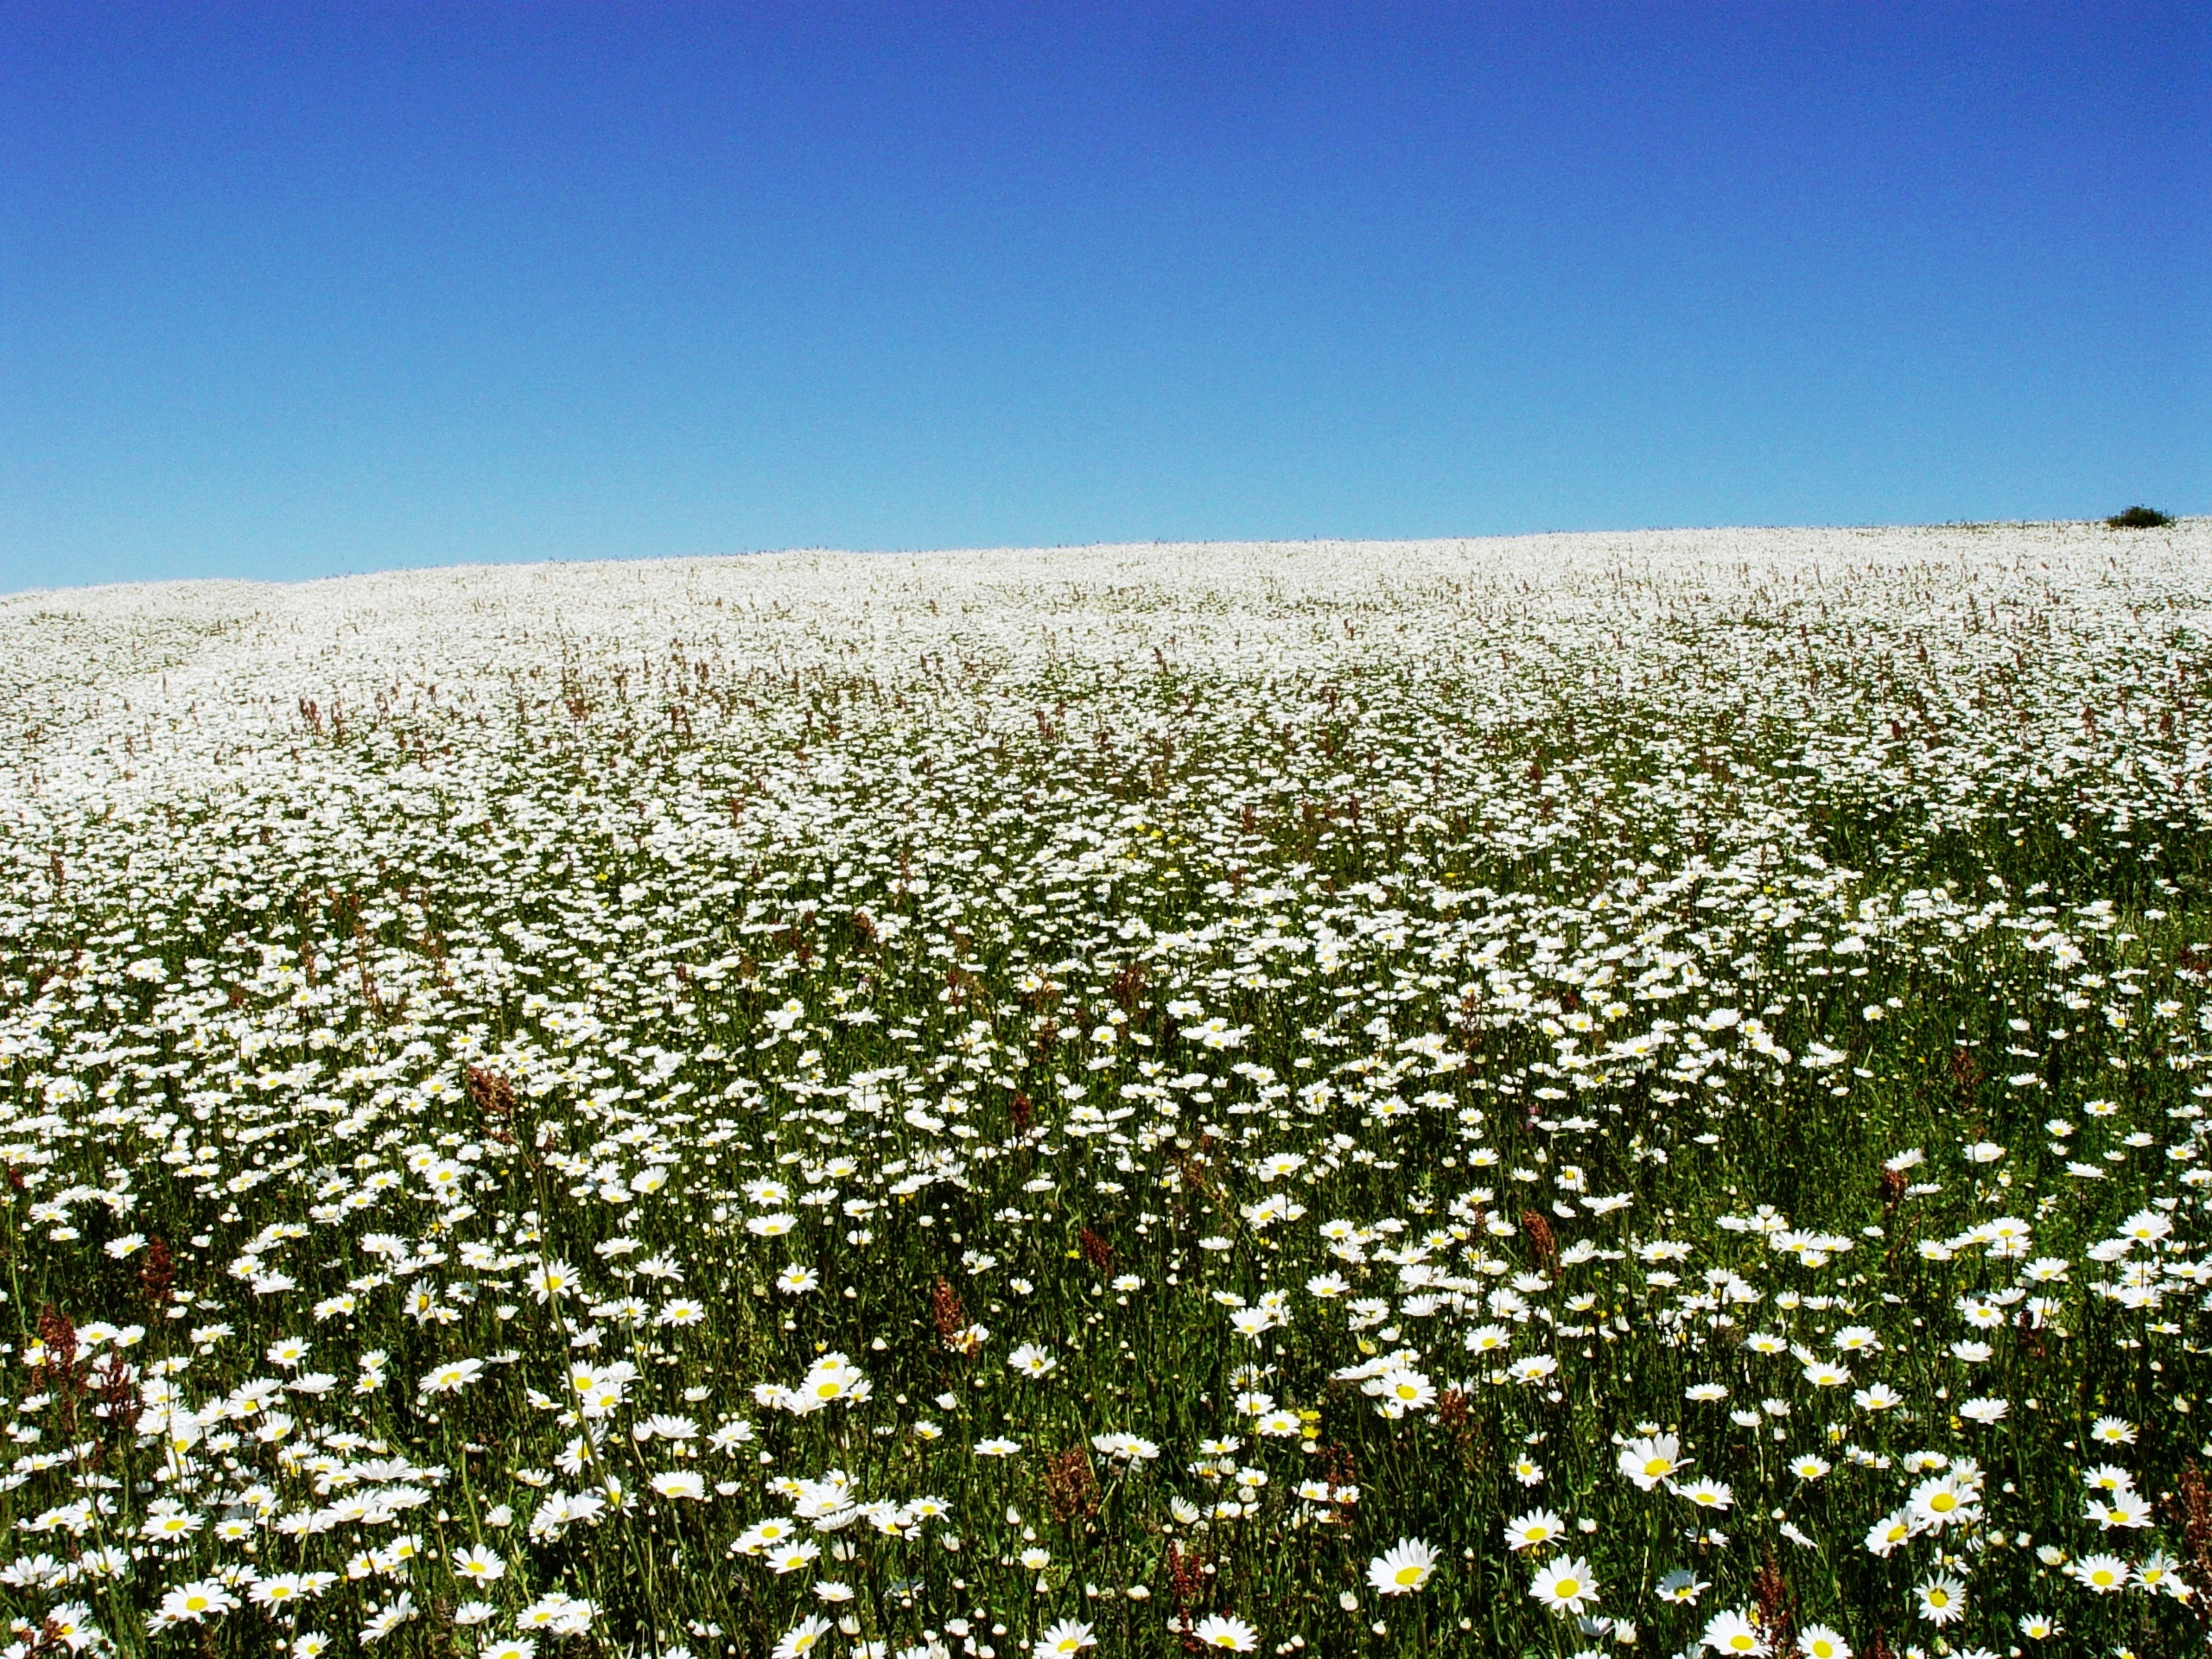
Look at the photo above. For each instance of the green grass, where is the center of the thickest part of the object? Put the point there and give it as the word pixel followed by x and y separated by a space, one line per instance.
pixel 1539 930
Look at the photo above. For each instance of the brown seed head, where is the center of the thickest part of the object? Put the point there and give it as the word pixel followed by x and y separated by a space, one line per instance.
pixel 946 1313
pixel 1071 1486
pixel 1540 1239
pixel 1097 1250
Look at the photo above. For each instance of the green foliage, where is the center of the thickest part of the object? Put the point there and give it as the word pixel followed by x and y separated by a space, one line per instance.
pixel 1106 1095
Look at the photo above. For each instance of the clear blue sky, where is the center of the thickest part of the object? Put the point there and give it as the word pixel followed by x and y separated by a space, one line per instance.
pixel 287 290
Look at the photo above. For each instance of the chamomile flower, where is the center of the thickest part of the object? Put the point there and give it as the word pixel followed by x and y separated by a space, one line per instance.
pixel 478 1564
pixel 2122 1508
pixel 2105 1574
pixel 453 1377
pixel 1406 1566
pixel 1942 1599
pixel 1565 1585
pixel 802 1638
pixel 1652 1459
pixel 1068 1637
pixel 785 1558
pixel 1534 1529
pixel 197 1602
pixel 1943 1502
pixel 1730 1632
pixel 1227 1633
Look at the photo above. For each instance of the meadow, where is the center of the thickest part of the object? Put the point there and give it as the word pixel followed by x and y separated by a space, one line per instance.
pixel 1576 1096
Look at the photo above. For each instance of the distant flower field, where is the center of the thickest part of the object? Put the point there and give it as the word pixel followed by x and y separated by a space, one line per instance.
pixel 1583 1095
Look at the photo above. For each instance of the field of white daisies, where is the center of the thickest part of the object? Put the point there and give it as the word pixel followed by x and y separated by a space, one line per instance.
pixel 1589 1094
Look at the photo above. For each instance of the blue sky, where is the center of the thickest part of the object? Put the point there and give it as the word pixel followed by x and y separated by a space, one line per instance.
pixel 293 291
